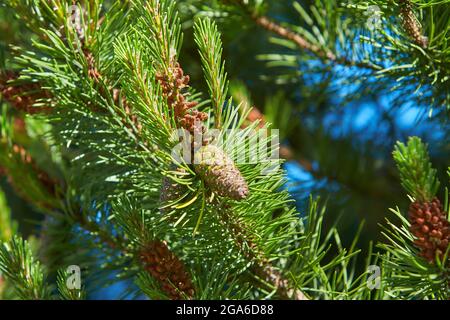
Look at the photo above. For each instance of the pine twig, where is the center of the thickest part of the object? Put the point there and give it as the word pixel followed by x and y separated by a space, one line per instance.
pixel 298 40
pixel 261 266
pixel 46 183
pixel 96 76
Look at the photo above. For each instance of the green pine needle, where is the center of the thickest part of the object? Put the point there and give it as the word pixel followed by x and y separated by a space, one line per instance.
pixel 22 271
pixel 416 172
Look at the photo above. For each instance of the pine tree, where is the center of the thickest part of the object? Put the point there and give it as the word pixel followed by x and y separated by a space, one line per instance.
pixel 99 96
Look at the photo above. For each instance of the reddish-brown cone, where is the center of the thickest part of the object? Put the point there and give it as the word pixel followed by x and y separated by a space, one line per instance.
pixel 411 24
pixel 93 72
pixel 430 226
pixel 168 270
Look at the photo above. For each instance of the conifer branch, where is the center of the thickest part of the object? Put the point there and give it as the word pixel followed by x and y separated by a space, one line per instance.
pixel 416 172
pixel 28 180
pixel 129 119
pixel 20 268
pixel 174 280
pixel 55 189
pixel 210 47
pixel 261 266
pixel 297 39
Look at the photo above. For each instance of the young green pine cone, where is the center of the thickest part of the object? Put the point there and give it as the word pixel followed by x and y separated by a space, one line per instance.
pixel 220 173
pixel 430 226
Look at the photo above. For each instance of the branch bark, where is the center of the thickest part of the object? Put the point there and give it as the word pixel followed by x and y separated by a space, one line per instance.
pixel 261 266
pixel 300 42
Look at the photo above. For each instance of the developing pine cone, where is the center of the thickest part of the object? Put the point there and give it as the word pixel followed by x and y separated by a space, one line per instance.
pixel 411 24
pixel 430 226
pixel 220 173
pixel 168 270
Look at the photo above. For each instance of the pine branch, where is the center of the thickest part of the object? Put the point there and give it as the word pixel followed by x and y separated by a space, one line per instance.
pixel 210 47
pixel 29 181
pixel 416 172
pixel 418 250
pixel 110 168
pixel 20 268
pixel 64 291
pixel 261 266
pixel 107 91
pixel 297 39
pixel 56 191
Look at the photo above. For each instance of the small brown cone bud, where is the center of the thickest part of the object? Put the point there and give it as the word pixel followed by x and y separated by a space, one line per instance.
pixel 167 269
pixel 430 226
pixel 220 173
pixel 411 24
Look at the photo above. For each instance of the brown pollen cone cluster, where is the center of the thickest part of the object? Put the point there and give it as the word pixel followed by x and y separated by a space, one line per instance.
pixel 172 86
pixel 93 72
pixel 430 226
pixel 22 97
pixel 168 270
